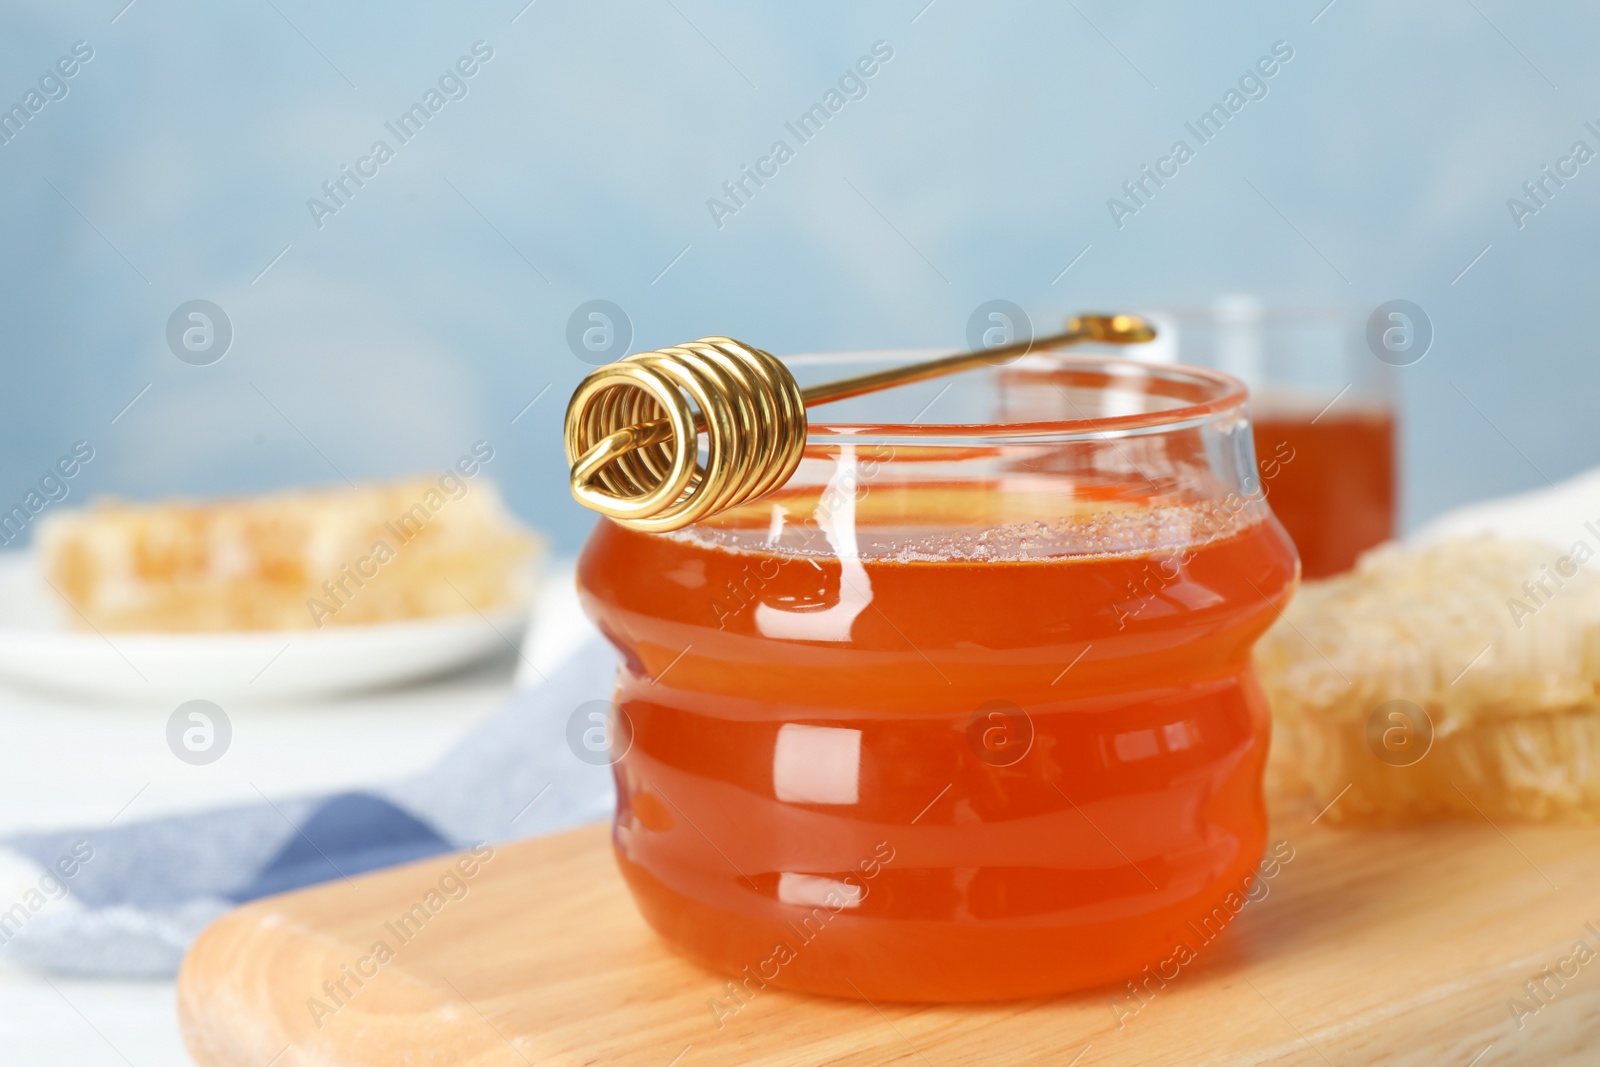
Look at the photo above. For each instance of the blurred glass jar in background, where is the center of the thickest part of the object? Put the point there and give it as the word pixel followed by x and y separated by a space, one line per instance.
pixel 1323 409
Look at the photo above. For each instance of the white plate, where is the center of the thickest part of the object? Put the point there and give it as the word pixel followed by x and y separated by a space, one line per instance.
pixel 39 649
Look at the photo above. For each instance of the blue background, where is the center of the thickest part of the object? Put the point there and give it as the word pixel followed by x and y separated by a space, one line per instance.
pixel 431 309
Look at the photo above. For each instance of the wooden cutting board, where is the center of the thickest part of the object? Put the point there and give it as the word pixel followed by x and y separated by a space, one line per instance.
pixel 1394 946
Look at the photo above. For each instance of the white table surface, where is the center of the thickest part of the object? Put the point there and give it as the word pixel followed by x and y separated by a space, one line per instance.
pixel 67 762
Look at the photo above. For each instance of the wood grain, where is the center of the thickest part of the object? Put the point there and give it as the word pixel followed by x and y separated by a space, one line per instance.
pixel 1393 946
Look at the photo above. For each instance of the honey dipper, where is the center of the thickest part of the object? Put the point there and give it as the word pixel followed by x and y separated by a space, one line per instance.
pixel 633 427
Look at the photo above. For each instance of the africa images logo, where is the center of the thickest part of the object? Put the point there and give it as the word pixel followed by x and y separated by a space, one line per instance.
pixel 1252 85
pixel 52 87
pixel 852 85
pixel 452 85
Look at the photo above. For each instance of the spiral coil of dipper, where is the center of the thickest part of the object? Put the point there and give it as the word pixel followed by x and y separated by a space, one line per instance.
pixel 633 427
pixel 633 433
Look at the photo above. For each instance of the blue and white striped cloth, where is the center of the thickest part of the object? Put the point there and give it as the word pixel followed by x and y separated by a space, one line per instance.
pixel 147 889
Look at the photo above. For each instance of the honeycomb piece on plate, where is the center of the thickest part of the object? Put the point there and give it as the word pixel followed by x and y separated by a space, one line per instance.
pixel 293 560
pixel 1459 678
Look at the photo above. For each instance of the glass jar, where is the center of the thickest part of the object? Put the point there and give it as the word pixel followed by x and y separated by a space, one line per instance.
pixel 1323 407
pixel 966 710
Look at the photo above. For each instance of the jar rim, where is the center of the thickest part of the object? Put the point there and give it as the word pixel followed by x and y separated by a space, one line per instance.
pixel 1213 392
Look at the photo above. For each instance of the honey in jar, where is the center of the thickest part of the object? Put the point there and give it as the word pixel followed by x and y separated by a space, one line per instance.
pixel 965 711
